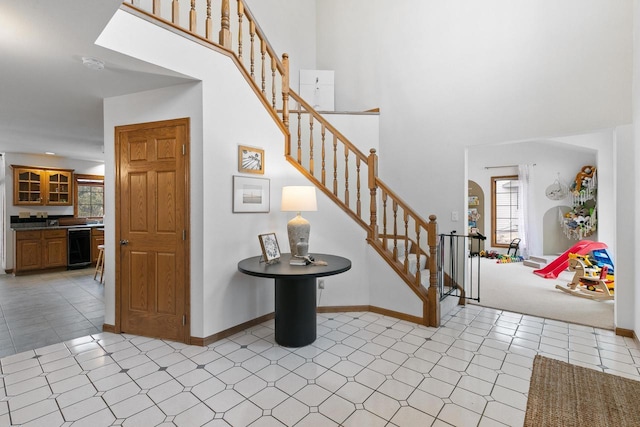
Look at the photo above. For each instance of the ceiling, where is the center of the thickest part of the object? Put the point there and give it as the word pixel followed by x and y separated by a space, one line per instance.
pixel 49 101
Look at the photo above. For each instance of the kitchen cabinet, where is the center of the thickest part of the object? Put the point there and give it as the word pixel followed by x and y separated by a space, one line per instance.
pixel 97 238
pixel 41 186
pixel 55 248
pixel 40 250
pixel 28 250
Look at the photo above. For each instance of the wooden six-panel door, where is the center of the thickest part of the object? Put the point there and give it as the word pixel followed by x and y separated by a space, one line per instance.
pixel 151 231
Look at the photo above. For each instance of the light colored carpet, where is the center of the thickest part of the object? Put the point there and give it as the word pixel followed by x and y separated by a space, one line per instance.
pixel 514 287
pixel 567 395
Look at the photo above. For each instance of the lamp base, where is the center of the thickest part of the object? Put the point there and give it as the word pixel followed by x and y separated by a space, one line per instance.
pixel 297 228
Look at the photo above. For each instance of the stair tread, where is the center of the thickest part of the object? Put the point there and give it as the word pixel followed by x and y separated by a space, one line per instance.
pixel 533 264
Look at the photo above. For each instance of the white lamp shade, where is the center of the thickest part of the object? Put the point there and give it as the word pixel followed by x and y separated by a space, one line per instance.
pixel 299 199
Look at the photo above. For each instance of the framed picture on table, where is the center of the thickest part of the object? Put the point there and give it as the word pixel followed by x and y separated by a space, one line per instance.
pixel 270 247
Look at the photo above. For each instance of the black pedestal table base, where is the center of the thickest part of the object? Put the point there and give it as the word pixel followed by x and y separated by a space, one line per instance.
pixel 295 311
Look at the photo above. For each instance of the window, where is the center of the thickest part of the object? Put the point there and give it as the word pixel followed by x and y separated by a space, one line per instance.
pixel 504 210
pixel 89 196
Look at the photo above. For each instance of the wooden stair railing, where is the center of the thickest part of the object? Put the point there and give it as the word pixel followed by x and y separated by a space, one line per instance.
pixel 321 153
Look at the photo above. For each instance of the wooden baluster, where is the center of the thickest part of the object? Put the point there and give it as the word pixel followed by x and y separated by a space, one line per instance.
pixel 299 152
pixel 346 175
pixel 263 52
pixel 252 36
pixel 225 32
pixel 285 90
pixel 335 165
pixel 175 12
pixel 372 163
pixel 208 23
pixel 155 8
pixel 417 277
pixel 431 315
pixel 406 240
pixel 385 239
pixel 240 15
pixel 193 23
pixel 273 82
pixel 323 176
pixel 311 144
pixel 395 230
pixel 358 202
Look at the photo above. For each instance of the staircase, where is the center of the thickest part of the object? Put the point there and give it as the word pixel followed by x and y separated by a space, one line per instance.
pixel 535 262
pixel 349 177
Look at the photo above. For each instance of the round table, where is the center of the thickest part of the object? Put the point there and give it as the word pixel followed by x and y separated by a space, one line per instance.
pixel 295 300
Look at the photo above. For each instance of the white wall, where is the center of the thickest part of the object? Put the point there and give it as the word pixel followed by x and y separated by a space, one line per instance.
pixel 224 113
pixel 457 74
pixel 78 166
pixel 626 202
pixel 290 27
pixel 460 73
pixel 631 319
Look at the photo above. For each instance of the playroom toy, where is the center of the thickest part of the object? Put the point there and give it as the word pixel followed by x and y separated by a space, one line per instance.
pixel 505 259
pixel 590 279
pixel 560 264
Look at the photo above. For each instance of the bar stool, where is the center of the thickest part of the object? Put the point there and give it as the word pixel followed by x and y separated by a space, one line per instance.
pixel 99 263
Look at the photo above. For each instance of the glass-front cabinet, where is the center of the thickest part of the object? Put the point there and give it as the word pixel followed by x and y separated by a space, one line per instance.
pixel 28 186
pixel 59 187
pixel 37 187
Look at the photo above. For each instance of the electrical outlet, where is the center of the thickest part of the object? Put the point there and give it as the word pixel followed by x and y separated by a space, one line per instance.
pixel 454 215
pixel 321 284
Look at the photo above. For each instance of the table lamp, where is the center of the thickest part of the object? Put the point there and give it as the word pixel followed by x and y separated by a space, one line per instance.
pixel 298 199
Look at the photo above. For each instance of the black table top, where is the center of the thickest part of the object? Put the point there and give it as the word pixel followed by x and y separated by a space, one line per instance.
pixel 335 265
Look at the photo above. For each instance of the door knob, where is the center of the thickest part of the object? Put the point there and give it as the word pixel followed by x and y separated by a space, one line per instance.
pixel 124 242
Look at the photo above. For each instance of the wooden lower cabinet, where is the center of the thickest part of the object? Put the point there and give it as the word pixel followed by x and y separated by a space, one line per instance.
pixel 97 238
pixel 55 248
pixel 28 250
pixel 40 250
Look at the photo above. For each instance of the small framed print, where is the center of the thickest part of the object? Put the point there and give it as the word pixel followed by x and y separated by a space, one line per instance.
pixel 250 160
pixel 270 248
pixel 250 194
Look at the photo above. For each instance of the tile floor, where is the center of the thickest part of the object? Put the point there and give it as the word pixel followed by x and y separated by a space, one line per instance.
pixel 41 309
pixel 363 370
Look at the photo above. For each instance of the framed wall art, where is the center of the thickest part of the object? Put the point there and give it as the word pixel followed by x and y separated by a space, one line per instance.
pixel 250 160
pixel 250 194
pixel 270 247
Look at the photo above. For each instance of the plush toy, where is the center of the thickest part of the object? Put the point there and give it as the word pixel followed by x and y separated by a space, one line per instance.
pixel 583 178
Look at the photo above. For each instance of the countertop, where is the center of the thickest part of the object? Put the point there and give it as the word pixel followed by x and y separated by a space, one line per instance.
pixel 32 227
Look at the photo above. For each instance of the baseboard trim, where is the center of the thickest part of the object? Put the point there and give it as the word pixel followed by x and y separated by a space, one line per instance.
pixel 342 308
pixel 231 331
pixel 397 315
pixel 373 309
pixel 628 333
pixel 327 309
pixel 108 328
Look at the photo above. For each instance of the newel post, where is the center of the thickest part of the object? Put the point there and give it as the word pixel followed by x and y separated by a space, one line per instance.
pixel 285 90
pixel 225 32
pixel 372 163
pixel 433 299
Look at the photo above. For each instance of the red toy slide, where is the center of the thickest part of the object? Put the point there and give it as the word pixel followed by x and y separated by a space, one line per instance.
pixel 561 263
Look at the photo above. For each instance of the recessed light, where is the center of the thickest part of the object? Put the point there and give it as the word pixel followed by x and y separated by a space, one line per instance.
pixel 50 153
pixel 92 63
